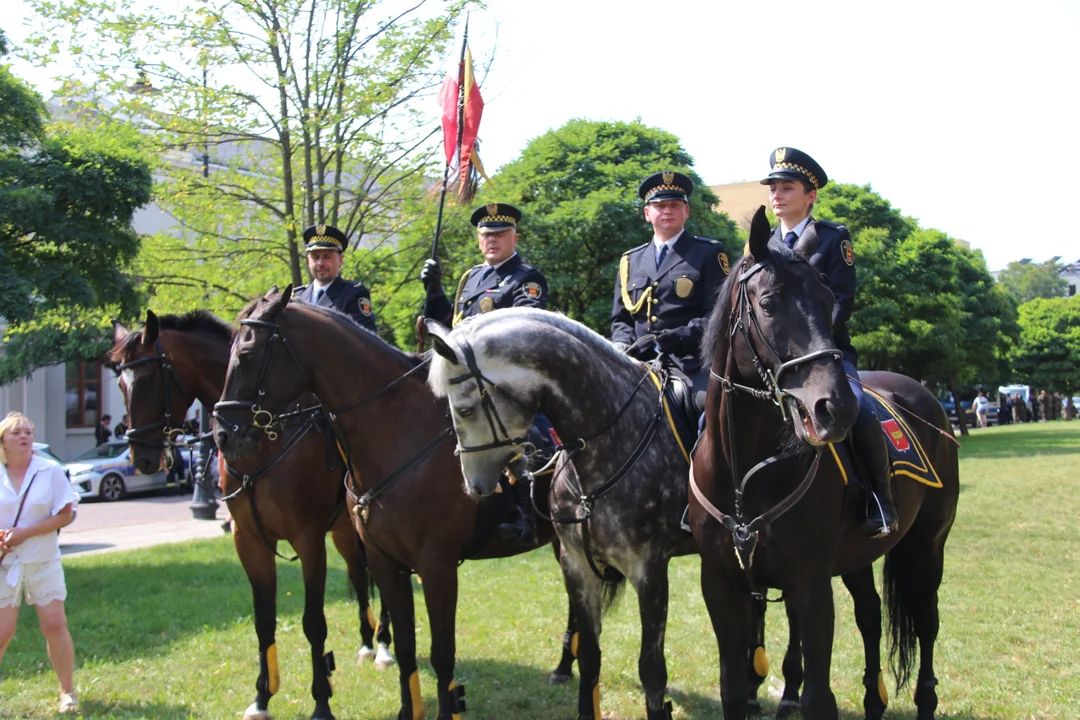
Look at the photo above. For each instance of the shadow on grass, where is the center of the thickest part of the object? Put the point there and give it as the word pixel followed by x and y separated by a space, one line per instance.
pixel 133 710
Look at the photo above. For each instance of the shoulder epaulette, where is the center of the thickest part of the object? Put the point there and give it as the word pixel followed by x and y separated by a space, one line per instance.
pixel 299 289
pixel 637 248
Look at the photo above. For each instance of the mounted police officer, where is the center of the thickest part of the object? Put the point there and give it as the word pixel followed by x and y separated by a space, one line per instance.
pixel 503 280
pixel 325 249
pixel 793 183
pixel 668 286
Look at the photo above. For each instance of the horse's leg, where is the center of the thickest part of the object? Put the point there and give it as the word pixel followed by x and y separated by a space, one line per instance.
pixel 816 615
pixel 565 669
pixel 584 589
pixel 351 550
pixel 312 552
pixel 396 588
pixel 757 662
pixel 440 596
pixel 652 592
pixel 258 562
pixel 729 611
pixel 792 667
pixel 868 618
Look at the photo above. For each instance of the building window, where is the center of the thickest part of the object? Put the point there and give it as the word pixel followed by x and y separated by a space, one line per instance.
pixel 82 390
pixel 1072 290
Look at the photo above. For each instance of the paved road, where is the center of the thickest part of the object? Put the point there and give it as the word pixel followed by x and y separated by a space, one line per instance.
pixel 135 522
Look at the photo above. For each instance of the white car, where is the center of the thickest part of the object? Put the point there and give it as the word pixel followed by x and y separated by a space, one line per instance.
pixel 106 472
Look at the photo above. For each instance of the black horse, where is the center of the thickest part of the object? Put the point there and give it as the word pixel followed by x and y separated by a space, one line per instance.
pixel 769 512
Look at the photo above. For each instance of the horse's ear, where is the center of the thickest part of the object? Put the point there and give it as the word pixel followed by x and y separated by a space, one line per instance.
pixel 808 241
pixel 277 301
pixel 271 293
pixel 150 330
pixel 759 235
pixel 119 331
pixel 438 332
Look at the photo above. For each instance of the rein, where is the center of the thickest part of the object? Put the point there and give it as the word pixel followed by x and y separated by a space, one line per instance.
pixel 744 532
pixel 165 425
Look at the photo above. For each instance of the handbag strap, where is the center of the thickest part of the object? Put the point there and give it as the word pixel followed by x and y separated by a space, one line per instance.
pixel 22 504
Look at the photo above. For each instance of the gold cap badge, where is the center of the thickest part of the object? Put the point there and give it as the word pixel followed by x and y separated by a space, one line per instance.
pixel 781 153
pixel 493 208
pixel 669 177
pixel 320 229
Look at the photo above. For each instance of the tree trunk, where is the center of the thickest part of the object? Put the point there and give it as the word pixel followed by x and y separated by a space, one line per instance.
pixel 960 414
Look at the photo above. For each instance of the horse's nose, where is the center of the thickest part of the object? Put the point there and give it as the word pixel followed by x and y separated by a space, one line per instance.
pixel 825 413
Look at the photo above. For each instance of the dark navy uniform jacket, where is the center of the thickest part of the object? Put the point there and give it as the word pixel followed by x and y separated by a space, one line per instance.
pixel 351 298
pixel 834 258
pixel 679 295
pixel 515 283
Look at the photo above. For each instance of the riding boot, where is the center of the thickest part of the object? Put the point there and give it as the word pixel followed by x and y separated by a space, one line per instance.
pixel 870 442
pixel 521 527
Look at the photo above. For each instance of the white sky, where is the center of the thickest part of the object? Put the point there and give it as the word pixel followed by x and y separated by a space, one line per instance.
pixel 955 111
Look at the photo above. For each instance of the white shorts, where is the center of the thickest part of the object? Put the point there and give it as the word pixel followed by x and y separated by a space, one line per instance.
pixel 42 582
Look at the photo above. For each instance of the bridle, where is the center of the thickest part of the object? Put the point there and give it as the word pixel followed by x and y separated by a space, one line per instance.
pixel 745 532
pixel 260 417
pixel 164 425
pixel 501 438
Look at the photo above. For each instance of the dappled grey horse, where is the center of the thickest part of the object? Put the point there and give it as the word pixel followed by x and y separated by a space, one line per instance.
pixel 620 483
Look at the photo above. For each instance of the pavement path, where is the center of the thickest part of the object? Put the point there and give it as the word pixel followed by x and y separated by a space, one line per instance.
pixel 135 523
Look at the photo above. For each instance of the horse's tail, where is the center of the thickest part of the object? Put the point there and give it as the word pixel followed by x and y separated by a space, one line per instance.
pixel 611 589
pixel 899 589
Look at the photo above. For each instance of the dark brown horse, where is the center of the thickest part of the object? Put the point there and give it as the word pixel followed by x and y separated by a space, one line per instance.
pixel 768 511
pixel 292 492
pixel 408 497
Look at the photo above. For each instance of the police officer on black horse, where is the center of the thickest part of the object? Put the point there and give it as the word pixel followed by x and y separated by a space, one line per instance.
pixel 667 287
pixel 503 280
pixel 793 183
pixel 325 248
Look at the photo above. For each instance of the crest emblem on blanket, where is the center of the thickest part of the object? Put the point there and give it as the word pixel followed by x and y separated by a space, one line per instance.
pixel 532 289
pixel 896 435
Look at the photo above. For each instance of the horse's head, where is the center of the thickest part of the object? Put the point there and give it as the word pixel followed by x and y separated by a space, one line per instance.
pixel 493 400
pixel 157 401
pixel 772 329
pixel 264 375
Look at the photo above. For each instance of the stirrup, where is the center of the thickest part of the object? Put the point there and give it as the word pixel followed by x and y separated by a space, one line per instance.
pixel 684 523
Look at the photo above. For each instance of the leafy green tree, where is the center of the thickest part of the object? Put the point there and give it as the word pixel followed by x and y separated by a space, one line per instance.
pixel 66 203
pixel 577 189
pixel 860 208
pixel 308 112
pixel 1026 281
pixel 1048 352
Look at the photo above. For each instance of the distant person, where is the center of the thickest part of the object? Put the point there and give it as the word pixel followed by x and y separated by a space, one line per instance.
pixel 36 500
pixel 1044 406
pixel 981 406
pixel 1005 409
pixel 1019 408
pixel 102 433
pixel 121 427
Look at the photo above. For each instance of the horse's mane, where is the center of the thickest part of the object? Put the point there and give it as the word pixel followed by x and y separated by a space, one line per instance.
pixel 718 319
pixel 346 323
pixel 200 321
pixel 440 371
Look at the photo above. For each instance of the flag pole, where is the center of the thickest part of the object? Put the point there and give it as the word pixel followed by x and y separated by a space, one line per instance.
pixel 457 146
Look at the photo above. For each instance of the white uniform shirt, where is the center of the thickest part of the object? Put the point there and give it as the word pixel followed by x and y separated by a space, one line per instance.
pixel 50 492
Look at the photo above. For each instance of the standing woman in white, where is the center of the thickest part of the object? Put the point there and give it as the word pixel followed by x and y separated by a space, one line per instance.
pixel 36 500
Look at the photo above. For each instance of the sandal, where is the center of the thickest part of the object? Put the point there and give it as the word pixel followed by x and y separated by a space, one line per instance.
pixel 69 704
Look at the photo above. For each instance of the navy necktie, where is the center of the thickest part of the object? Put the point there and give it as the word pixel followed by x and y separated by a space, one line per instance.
pixel 790 239
pixel 487 272
pixel 318 295
pixel 661 255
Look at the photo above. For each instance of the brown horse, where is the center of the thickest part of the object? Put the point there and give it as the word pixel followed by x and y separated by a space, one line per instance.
pixel 291 491
pixel 767 511
pixel 408 498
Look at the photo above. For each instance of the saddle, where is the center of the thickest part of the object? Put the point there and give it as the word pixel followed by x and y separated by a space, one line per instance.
pixel 907 457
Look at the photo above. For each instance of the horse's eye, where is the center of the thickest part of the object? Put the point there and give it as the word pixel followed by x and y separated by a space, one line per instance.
pixel 768 305
pixel 465 412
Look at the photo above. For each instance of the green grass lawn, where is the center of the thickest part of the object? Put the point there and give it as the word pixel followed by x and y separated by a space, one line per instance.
pixel 167 632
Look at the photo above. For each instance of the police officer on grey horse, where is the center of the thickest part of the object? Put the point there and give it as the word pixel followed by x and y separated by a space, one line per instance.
pixel 667 287
pixel 325 249
pixel 793 183
pixel 503 280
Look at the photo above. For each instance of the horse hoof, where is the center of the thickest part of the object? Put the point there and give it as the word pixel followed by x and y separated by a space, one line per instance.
pixel 254 713
pixel 383 659
pixel 558 678
pixel 786 709
pixel 365 653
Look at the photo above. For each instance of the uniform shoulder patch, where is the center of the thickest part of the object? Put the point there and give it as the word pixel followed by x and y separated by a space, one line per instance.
pixel 365 306
pixel 723 260
pixel 847 251
pixel 532 289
